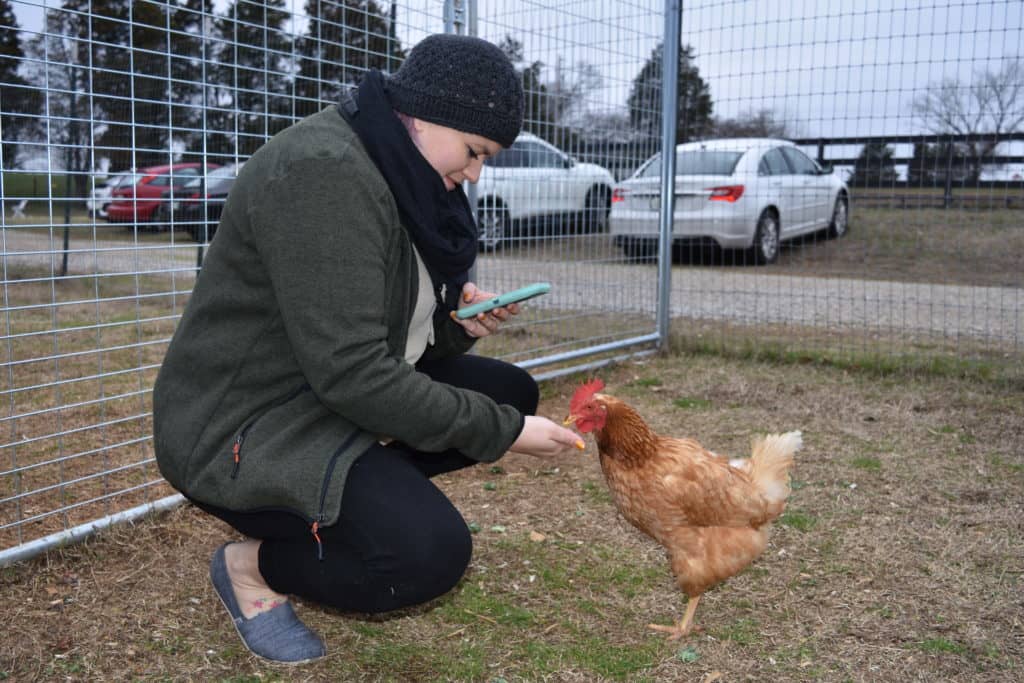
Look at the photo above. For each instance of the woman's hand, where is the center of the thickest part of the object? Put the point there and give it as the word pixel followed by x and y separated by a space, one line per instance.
pixel 483 324
pixel 543 438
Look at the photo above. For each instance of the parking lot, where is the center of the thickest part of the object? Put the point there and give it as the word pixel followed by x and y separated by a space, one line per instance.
pixel 595 279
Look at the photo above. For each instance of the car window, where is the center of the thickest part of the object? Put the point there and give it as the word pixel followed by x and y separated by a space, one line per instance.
pixel 651 169
pixel 774 163
pixel 224 172
pixel 542 156
pixel 696 162
pixel 513 157
pixel 801 164
pixel 181 176
pixel 706 162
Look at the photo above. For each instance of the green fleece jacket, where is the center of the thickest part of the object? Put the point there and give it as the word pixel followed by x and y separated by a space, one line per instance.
pixel 288 360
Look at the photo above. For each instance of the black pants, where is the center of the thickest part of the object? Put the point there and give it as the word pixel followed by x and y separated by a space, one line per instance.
pixel 399 541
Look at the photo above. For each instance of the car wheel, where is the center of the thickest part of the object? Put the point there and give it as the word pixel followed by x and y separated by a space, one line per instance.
pixel 492 225
pixel 840 218
pixel 640 250
pixel 766 239
pixel 161 217
pixel 202 232
pixel 596 209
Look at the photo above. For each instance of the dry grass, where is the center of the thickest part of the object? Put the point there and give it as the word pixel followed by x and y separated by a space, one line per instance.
pixel 78 377
pixel 900 558
pixel 980 248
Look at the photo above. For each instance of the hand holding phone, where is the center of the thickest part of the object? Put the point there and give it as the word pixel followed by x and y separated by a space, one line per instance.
pixel 515 296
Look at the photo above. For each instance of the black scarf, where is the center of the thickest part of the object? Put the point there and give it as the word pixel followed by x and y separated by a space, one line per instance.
pixel 439 221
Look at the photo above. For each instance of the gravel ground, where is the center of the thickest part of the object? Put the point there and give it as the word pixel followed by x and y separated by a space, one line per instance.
pixel 994 314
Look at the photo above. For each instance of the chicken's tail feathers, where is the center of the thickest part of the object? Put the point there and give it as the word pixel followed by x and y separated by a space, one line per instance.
pixel 770 462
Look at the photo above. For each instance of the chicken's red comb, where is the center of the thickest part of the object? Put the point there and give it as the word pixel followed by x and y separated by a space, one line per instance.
pixel 584 393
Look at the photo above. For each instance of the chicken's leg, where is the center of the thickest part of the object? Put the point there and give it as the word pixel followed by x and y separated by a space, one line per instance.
pixel 685 627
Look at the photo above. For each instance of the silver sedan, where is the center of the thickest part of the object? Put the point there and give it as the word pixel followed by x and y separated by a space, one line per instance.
pixel 750 193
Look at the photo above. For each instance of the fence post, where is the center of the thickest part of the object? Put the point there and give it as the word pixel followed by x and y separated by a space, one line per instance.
pixel 947 194
pixel 669 106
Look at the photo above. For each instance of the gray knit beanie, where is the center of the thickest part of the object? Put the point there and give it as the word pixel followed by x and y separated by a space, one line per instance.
pixel 461 82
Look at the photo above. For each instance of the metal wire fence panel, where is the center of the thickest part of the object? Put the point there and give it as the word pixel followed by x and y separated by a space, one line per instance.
pixel 850 185
pixel 544 203
pixel 909 248
pixel 123 125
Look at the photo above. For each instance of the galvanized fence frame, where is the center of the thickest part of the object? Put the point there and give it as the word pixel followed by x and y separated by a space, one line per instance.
pixel 87 317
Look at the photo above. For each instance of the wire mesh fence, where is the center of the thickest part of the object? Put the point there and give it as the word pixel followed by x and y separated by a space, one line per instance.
pixel 850 184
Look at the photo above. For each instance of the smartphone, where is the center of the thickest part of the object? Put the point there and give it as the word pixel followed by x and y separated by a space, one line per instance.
pixel 516 295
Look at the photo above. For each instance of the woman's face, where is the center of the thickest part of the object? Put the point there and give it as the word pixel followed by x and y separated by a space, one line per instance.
pixel 455 155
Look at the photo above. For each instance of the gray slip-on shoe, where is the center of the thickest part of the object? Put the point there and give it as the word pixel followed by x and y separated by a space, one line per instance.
pixel 277 634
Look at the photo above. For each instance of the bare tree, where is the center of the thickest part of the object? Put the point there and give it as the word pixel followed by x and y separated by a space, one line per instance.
pixel 992 104
pixel 759 124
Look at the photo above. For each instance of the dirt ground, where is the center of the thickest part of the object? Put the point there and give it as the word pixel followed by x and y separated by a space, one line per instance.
pixel 900 557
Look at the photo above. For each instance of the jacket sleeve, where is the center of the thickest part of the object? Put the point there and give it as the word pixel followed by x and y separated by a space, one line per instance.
pixel 323 229
pixel 450 339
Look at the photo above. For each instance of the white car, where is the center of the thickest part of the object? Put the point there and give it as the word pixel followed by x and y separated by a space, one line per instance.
pixel 100 197
pixel 533 180
pixel 750 193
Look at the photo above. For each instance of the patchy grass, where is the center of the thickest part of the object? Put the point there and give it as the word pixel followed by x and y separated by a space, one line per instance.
pixel 941 246
pixel 899 557
pixel 867 464
pixel 800 521
pixel 691 403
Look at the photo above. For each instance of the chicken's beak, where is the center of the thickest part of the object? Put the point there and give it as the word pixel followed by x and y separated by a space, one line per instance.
pixel 571 419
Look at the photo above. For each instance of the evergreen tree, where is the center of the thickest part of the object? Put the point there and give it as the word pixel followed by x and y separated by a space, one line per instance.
pixel 249 97
pixel 537 114
pixel 345 38
pixel 548 102
pixel 874 166
pixel 17 100
pixel 933 165
pixel 192 61
pixel 100 30
pixel 152 88
pixel 61 82
pixel 695 106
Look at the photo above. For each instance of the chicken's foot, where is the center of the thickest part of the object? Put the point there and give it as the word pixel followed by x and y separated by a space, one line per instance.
pixel 685 627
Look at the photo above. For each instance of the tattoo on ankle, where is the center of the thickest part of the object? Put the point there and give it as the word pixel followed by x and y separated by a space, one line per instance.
pixel 267 603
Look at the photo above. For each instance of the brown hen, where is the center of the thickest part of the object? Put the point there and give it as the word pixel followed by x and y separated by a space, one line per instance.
pixel 710 513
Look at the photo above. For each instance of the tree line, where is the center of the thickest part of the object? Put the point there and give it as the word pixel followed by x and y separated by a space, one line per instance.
pixel 135 81
pixel 139 83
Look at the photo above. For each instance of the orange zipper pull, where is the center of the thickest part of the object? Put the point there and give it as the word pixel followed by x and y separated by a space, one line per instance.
pixel 319 545
pixel 236 453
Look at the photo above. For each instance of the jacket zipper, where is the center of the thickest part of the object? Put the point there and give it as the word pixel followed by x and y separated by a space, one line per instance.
pixel 236 447
pixel 315 526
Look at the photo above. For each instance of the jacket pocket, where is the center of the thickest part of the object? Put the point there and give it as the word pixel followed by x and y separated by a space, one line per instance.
pixel 293 456
pixel 236 446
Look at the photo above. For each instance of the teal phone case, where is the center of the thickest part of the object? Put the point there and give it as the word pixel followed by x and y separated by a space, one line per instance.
pixel 515 296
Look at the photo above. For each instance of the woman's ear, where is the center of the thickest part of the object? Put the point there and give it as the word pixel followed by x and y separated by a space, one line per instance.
pixel 411 123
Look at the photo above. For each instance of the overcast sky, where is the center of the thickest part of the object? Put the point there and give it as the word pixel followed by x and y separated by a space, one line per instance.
pixel 826 67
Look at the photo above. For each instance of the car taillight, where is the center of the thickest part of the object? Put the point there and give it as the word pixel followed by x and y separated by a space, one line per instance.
pixel 619 194
pixel 726 193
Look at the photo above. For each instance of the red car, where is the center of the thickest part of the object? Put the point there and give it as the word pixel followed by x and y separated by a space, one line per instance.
pixel 136 202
